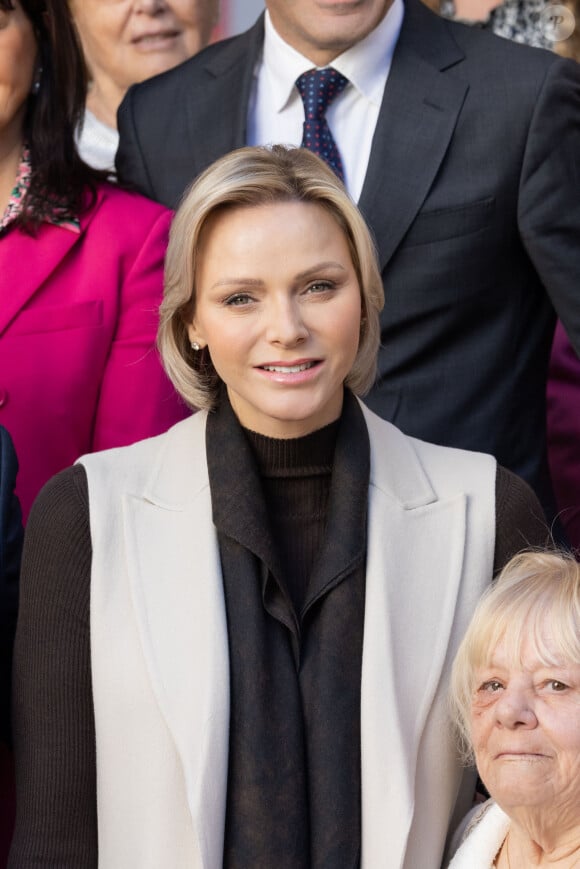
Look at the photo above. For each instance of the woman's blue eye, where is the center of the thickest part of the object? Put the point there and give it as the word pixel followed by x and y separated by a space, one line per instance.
pixel 238 299
pixel 320 286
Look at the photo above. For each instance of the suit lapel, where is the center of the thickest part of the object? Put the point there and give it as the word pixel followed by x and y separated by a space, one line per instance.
pixel 402 669
pixel 177 593
pixel 218 108
pixel 416 121
pixel 27 262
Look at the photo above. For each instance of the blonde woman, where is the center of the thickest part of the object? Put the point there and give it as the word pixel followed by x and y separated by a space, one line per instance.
pixel 255 614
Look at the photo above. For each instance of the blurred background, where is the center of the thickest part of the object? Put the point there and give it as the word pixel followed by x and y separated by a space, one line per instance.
pixel 236 16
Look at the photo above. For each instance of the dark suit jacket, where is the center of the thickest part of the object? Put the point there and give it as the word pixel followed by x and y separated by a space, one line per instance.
pixel 10 550
pixel 472 192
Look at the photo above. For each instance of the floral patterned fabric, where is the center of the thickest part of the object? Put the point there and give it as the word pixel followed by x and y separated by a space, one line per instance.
pixel 14 207
pixel 518 20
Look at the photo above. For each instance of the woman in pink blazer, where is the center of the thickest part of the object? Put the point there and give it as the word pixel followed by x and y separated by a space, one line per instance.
pixel 81 267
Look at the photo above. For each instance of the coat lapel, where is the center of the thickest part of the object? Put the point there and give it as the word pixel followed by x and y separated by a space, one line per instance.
pixel 218 102
pixel 177 593
pixel 418 114
pixel 400 673
pixel 27 262
pixel 176 585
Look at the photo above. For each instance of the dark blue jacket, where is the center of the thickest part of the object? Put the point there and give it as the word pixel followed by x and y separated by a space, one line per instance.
pixel 11 534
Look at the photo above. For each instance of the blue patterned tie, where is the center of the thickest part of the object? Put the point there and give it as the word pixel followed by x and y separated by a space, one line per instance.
pixel 318 88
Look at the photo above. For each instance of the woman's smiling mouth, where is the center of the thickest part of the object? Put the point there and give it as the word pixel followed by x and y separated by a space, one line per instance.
pixel 289 369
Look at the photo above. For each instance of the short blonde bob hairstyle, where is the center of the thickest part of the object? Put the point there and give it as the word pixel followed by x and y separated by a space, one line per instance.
pixel 243 179
pixel 537 594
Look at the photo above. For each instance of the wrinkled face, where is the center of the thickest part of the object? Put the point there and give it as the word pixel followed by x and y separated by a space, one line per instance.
pixel 17 62
pixel 525 727
pixel 131 40
pixel 278 305
pixel 323 29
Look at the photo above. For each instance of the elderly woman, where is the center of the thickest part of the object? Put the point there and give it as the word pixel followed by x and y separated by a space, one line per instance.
pixel 125 42
pixel 253 613
pixel 81 267
pixel 516 692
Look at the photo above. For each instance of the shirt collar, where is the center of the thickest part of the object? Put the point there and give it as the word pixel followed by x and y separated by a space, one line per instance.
pixel 366 64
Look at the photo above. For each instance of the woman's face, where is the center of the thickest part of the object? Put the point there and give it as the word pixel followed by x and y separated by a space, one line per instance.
pixel 525 727
pixel 17 62
pixel 278 305
pixel 127 41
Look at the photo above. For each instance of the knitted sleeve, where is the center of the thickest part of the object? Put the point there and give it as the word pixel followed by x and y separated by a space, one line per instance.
pixel 520 520
pixel 54 732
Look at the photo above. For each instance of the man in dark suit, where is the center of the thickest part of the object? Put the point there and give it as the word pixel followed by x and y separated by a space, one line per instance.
pixel 469 177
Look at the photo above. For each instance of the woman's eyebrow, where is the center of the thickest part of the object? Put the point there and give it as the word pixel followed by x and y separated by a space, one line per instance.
pixel 245 282
pixel 316 268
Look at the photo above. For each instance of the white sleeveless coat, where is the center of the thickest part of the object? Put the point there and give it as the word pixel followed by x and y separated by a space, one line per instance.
pixel 159 647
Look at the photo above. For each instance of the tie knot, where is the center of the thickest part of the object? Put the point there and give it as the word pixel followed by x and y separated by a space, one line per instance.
pixel 318 88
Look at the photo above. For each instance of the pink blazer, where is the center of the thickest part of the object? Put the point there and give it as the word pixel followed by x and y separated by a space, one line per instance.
pixel 78 317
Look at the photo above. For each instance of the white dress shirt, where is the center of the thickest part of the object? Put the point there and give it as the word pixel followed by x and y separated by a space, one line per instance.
pixel 97 143
pixel 276 112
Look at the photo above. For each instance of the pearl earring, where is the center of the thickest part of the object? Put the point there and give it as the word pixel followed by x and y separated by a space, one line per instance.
pixel 195 346
pixel 36 83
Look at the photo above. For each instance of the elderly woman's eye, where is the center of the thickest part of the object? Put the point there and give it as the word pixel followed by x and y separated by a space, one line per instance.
pixel 556 685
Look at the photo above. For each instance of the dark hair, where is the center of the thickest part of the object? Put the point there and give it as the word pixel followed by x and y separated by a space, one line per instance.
pixel 59 176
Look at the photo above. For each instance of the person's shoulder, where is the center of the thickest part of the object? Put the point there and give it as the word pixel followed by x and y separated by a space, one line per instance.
pixel 450 469
pixel 7 452
pixel 120 201
pixel 520 519
pixel 498 56
pixel 513 490
pixel 479 837
pixel 8 468
pixel 381 428
pixel 61 506
pixel 123 218
pixel 140 453
pixel 168 466
pixel 482 39
pixel 480 47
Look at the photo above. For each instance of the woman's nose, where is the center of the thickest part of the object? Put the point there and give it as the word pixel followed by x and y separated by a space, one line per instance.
pixel 514 709
pixel 286 325
pixel 150 7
